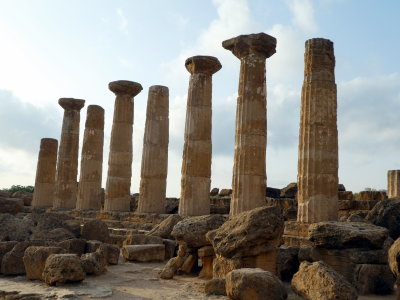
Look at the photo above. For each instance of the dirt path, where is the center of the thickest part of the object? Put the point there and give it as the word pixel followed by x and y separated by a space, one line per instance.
pixel 126 281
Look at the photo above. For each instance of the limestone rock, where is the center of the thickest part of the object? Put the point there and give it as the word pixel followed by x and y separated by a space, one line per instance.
pixel 46 221
pixel 248 233
pixel 289 191
pixel 25 196
pixel 144 253
pixel 192 230
pixel 319 281
pixel 12 262
pixel 92 246
pixel 394 258
pixel 164 228
pixel 288 262
pixel 110 252
pixel 11 205
pixel 57 235
pixel 96 230
pixel 216 286
pixel 272 192
pixel 62 268
pixel 93 263
pixel 171 267
pixel 6 247
pixel 341 235
pixel 35 258
pixel 14 229
pixel 225 192
pixel 214 192
pixel 170 248
pixel 74 246
pixel 171 205
pixel 254 284
pixel 374 279
pixel 386 213
pixel 141 239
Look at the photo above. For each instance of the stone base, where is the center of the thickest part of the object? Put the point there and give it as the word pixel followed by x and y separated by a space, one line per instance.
pixel 295 234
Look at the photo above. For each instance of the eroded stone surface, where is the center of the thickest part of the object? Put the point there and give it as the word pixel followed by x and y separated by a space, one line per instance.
pixel 62 268
pixel 67 163
pixel 393 183
pixel 319 281
pixel 154 169
pixel 196 162
pixel 317 176
pixel 43 195
pixel 254 284
pixel 117 194
pixel 89 190
pixel 249 170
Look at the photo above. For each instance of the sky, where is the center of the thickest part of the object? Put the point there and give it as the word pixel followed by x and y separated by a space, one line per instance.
pixel 51 49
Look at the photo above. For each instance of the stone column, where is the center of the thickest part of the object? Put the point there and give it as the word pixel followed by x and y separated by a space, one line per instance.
pixel 249 170
pixel 196 163
pixel 317 177
pixel 118 184
pixel 89 188
pixel 45 174
pixel 153 181
pixel 393 188
pixel 67 164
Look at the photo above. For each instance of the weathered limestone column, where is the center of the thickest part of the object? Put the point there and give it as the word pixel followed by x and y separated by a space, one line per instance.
pixel 318 140
pixel 91 160
pixel 196 161
pixel 249 170
pixel 67 164
pixel 153 181
pixel 393 188
pixel 45 173
pixel 118 184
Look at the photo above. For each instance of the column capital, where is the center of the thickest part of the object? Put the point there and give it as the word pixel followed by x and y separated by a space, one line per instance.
pixel 244 45
pixel 203 64
pixel 121 87
pixel 159 90
pixel 71 103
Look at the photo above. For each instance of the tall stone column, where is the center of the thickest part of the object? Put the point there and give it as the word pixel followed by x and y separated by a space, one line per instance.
pixel 118 184
pixel 393 188
pixel 67 164
pixel 317 177
pixel 153 181
pixel 249 170
pixel 45 173
pixel 196 162
pixel 89 188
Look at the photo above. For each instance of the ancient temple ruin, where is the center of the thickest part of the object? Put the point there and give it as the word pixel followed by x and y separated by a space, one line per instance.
pixel 153 181
pixel 393 183
pixel 118 184
pixel 45 173
pixel 196 161
pixel 326 241
pixel 89 188
pixel 67 163
pixel 318 140
pixel 249 170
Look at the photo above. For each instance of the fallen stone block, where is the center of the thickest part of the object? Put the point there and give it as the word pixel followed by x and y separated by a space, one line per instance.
pixel 144 253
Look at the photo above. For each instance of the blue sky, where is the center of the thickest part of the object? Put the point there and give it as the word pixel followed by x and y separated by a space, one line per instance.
pixel 53 48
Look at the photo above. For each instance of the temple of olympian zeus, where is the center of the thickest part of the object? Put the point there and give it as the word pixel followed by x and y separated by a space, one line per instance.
pixel 56 176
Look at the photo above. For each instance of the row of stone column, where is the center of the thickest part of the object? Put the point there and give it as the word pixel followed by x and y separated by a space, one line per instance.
pixel 318 142
pixel 55 183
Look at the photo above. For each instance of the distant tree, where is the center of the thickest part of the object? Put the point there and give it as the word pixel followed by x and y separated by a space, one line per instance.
pixel 16 188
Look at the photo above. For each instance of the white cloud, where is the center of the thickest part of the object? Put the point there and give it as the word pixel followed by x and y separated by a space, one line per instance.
pixel 303 15
pixel 122 21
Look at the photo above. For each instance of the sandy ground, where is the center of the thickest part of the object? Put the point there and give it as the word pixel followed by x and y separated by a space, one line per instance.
pixel 126 281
